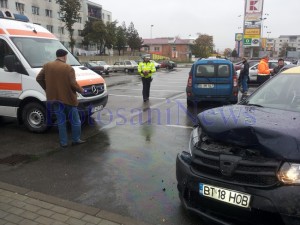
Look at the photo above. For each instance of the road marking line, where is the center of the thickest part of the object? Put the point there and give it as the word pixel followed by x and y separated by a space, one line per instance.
pixel 150 90
pixel 133 96
pixel 179 126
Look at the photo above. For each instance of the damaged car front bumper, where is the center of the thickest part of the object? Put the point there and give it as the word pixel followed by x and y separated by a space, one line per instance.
pixel 229 185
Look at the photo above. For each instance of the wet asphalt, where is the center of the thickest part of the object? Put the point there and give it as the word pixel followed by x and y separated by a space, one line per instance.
pixel 127 165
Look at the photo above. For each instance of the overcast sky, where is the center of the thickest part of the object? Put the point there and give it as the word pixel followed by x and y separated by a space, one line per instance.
pixel 219 18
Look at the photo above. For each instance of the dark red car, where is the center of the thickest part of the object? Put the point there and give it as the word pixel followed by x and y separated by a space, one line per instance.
pixel 95 67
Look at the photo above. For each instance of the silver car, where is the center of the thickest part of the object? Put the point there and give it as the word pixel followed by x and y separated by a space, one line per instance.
pixel 253 70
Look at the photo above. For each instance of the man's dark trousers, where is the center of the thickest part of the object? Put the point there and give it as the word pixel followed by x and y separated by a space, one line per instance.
pixel 146 87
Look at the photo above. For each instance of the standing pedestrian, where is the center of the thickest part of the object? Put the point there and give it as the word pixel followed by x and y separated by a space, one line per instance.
pixel 279 66
pixel 146 69
pixel 58 80
pixel 263 70
pixel 244 75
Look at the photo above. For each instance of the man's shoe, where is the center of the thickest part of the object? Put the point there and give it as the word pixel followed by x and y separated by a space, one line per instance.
pixel 64 146
pixel 79 142
pixel 145 100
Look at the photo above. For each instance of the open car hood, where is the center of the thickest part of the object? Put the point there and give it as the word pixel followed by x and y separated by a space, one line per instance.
pixel 275 133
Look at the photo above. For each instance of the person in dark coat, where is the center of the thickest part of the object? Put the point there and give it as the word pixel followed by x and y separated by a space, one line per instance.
pixel 279 66
pixel 244 76
pixel 58 80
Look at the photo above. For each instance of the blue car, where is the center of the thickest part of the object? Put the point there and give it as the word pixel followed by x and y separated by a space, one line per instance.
pixel 212 80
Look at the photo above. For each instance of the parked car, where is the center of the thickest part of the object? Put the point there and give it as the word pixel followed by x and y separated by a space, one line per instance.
pixel 107 68
pixel 156 64
pixel 126 66
pixel 167 64
pixel 94 66
pixel 212 80
pixel 253 70
pixel 242 165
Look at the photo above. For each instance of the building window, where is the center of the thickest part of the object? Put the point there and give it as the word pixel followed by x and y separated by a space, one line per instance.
pixel 48 12
pixel 3 3
pixel 61 30
pixel 20 7
pixel 50 28
pixel 60 15
pixel 79 32
pixel 103 16
pixel 173 49
pixel 108 17
pixel 79 20
pixel 35 10
pixel 156 49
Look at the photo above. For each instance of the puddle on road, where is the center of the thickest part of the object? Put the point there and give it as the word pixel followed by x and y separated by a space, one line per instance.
pixel 15 159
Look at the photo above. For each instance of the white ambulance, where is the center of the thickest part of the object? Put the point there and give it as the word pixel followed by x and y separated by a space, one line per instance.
pixel 24 49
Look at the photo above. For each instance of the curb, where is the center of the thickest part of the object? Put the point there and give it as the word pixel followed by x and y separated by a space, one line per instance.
pixel 92 211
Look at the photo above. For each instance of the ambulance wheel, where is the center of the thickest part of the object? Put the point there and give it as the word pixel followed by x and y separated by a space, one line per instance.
pixel 34 117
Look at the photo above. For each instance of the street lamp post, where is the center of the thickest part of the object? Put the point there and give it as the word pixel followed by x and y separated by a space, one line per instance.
pixel 151 31
pixel 150 36
pixel 262 33
pixel 262 27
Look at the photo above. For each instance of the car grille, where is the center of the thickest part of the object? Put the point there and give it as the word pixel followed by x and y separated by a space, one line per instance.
pixel 246 170
pixel 93 90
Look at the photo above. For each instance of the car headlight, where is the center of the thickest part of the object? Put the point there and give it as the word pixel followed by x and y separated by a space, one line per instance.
pixel 289 173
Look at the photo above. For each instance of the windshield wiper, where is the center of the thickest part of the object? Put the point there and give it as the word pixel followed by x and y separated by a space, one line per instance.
pixel 245 102
pixel 250 104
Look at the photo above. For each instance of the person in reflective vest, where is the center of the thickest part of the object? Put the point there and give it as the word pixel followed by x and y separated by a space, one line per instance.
pixel 263 70
pixel 146 69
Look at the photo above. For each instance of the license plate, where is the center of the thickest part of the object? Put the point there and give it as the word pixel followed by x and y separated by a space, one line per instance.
pixel 225 195
pixel 206 85
pixel 97 108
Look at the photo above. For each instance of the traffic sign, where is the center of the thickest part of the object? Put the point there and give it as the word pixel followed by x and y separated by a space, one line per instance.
pixel 247 41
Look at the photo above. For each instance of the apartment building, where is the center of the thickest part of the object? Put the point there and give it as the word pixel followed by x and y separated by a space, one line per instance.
pixel 46 13
pixel 293 41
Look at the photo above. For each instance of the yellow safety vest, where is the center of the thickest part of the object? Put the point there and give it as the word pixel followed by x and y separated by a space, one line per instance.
pixel 146 66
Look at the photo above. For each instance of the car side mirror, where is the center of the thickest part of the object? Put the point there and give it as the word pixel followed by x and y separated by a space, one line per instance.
pixel 12 64
pixel 9 63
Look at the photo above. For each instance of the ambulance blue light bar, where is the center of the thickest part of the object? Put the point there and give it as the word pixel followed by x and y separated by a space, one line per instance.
pixel 13 16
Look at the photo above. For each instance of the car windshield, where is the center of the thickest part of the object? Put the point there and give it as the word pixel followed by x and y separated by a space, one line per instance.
pixel 102 63
pixel 133 63
pixel 281 92
pixel 38 51
pixel 93 64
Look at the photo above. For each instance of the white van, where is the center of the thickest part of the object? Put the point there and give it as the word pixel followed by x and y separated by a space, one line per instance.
pixel 24 49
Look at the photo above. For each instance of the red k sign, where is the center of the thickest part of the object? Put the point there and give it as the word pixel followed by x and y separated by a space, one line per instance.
pixel 254 6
